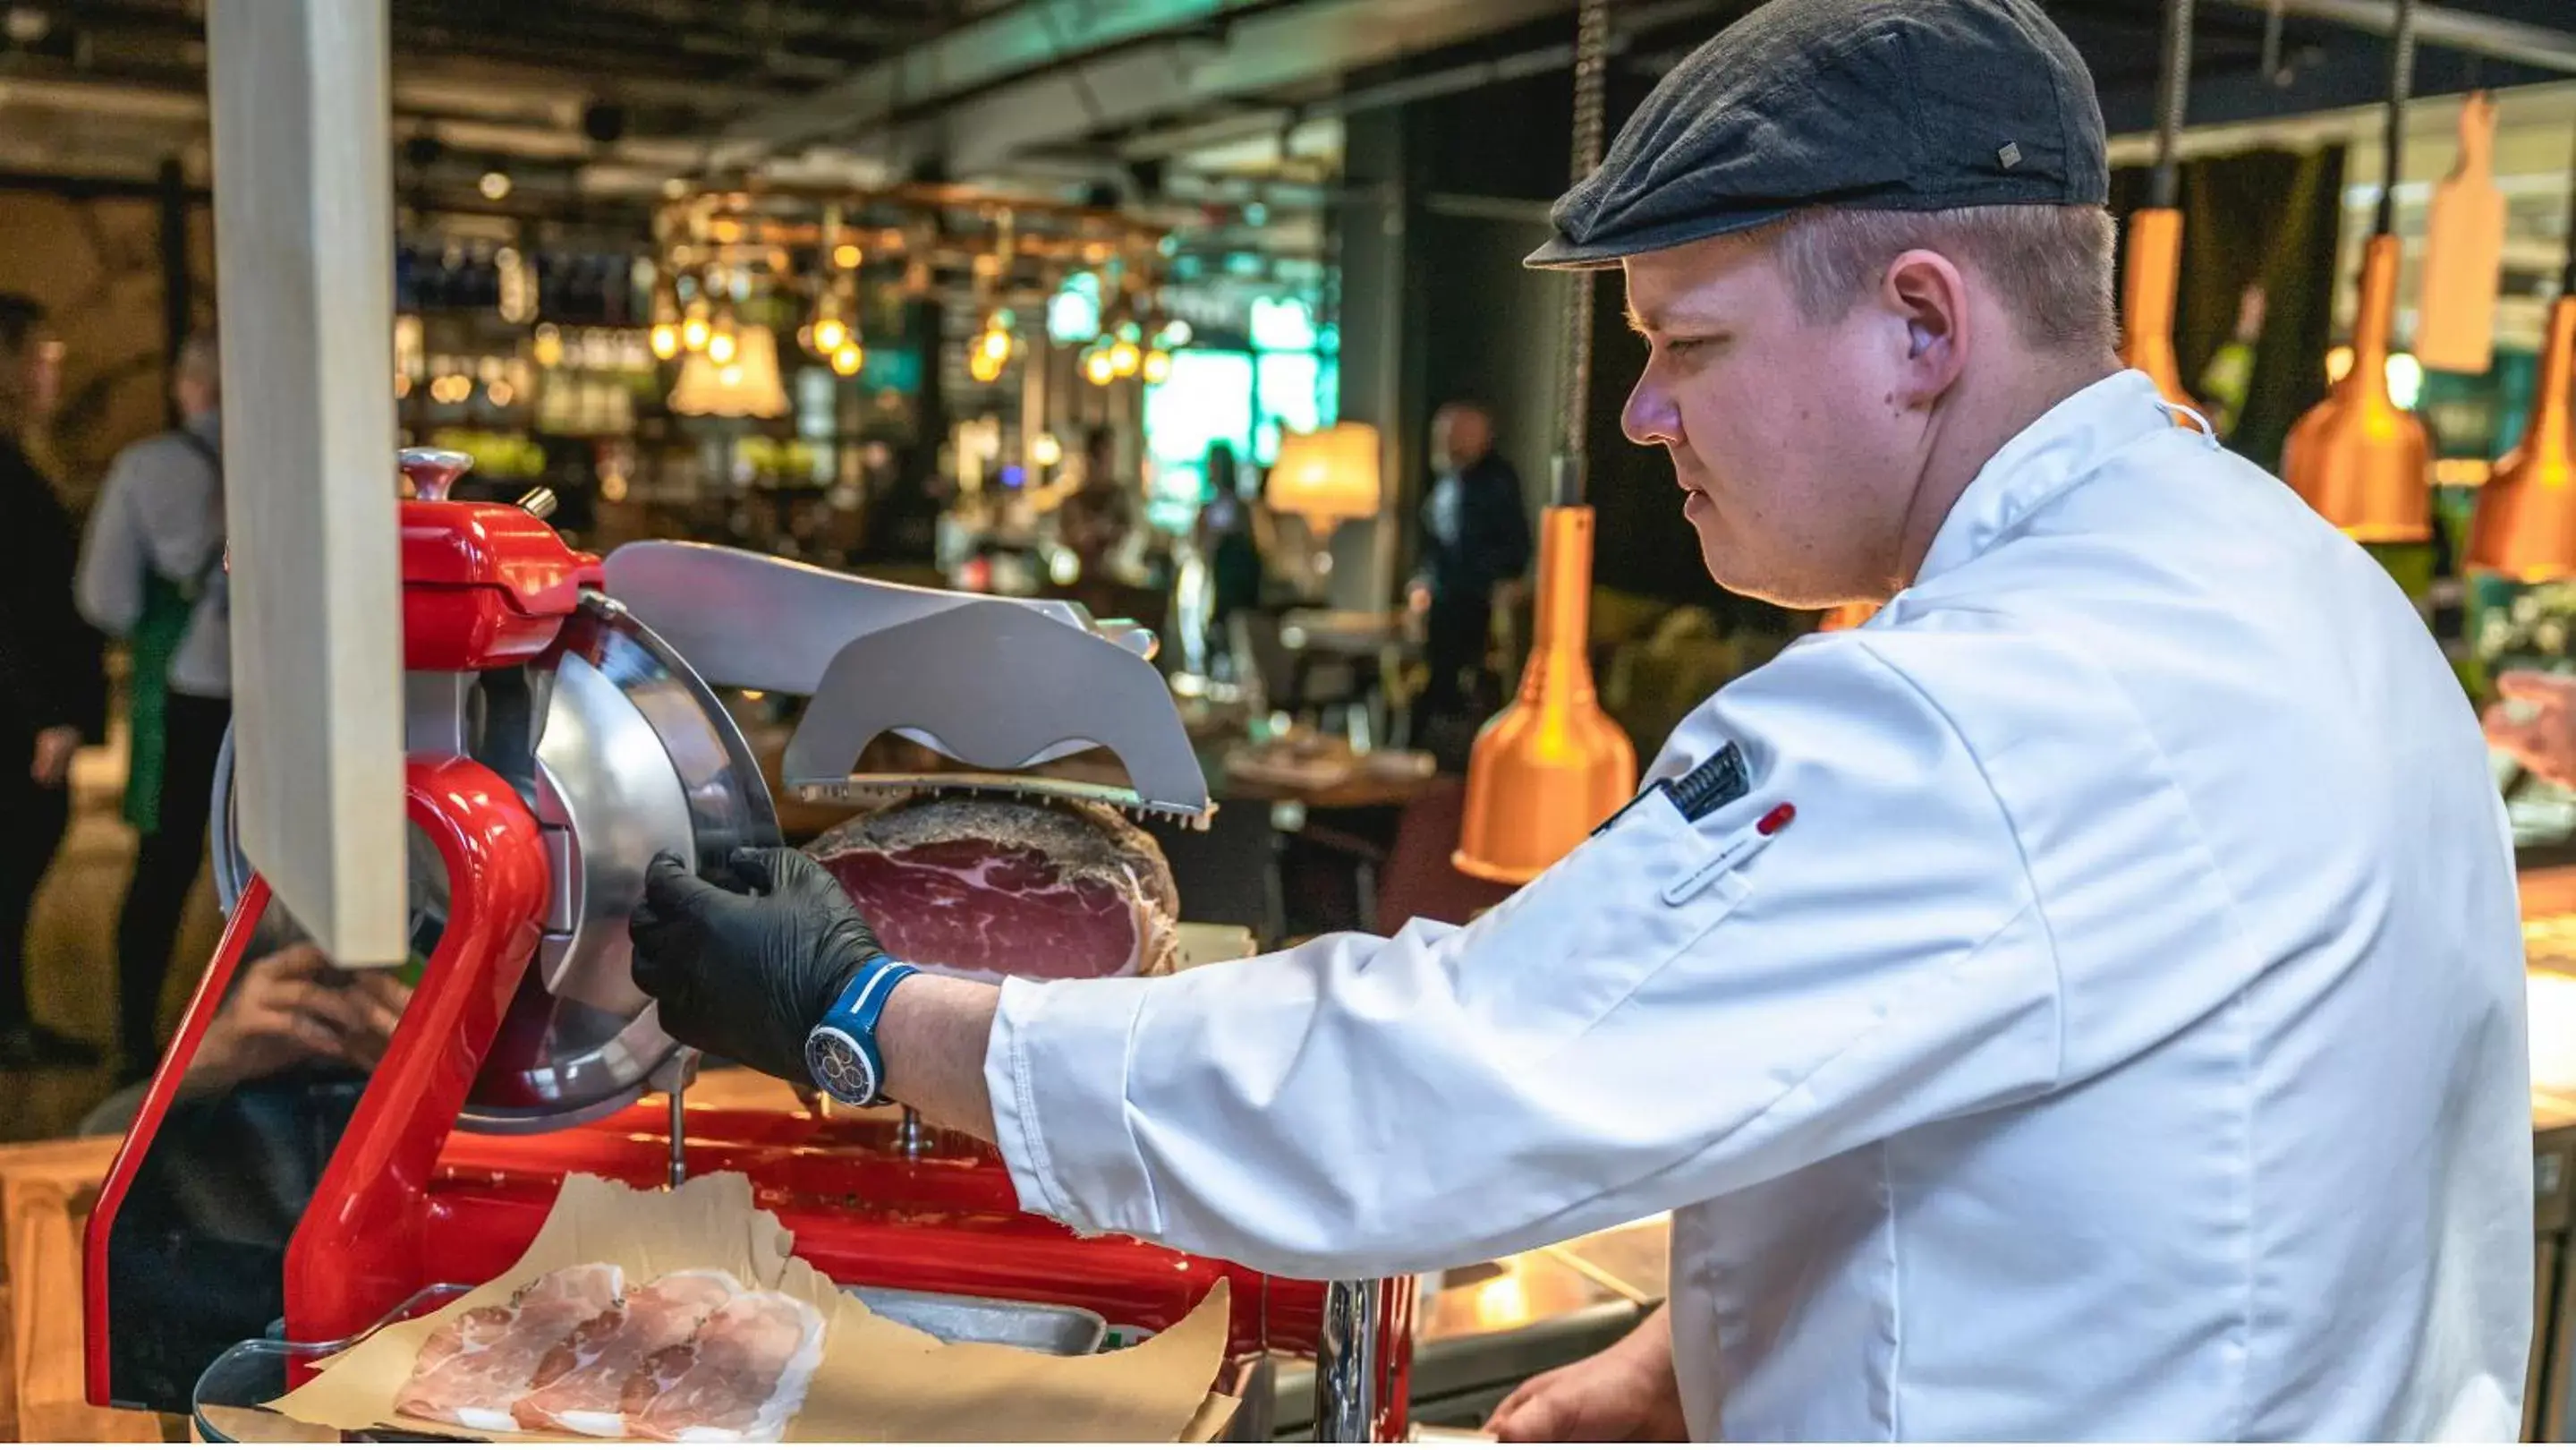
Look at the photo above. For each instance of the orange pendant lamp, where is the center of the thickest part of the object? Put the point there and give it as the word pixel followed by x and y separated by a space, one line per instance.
pixel 2152 273
pixel 2525 526
pixel 2358 458
pixel 1553 765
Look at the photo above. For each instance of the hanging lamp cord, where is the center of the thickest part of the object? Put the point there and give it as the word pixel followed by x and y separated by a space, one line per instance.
pixel 2567 278
pixel 1591 65
pixel 2401 86
pixel 2170 100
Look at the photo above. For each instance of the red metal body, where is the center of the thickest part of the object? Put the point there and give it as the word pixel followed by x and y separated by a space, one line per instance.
pixel 361 1247
pixel 405 1202
pixel 484 584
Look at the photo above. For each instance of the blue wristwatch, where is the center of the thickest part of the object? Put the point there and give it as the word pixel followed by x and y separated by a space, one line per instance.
pixel 841 1052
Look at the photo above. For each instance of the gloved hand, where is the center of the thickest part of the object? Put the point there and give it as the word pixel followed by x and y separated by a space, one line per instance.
pixel 746 977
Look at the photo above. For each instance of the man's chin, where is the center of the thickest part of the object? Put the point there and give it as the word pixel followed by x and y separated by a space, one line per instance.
pixel 1752 584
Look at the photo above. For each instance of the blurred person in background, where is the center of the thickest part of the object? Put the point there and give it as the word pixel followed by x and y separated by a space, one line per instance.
pixel 1229 539
pixel 1475 540
pixel 53 695
pixel 152 573
pixel 2533 719
pixel 1096 518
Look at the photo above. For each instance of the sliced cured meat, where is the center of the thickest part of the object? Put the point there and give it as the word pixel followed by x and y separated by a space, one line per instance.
pixel 741 1377
pixel 582 1380
pixel 477 1365
pixel 984 887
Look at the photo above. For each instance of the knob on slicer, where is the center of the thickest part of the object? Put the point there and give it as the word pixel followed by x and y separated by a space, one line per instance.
pixel 432 471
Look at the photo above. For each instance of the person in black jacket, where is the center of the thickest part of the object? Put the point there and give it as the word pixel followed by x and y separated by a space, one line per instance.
pixel 1475 538
pixel 53 694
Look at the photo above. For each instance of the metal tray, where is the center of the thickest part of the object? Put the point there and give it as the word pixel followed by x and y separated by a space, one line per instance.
pixel 253 1372
pixel 965 1319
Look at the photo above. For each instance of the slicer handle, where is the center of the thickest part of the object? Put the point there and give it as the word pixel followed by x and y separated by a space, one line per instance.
pixel 433 471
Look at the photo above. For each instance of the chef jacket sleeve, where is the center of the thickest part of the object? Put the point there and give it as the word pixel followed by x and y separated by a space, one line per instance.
pixel 1642 1027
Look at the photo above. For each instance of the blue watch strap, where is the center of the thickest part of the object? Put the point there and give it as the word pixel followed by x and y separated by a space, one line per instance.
pixel 862 1002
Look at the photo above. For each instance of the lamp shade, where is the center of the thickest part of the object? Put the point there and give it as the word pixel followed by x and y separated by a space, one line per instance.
pixel 2525 527
pixel 1326 476
pixel 2153 274
pixel 2358 458
pixel 746 387
pixel 1553 765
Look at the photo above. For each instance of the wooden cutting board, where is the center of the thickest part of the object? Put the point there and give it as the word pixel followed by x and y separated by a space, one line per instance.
pixel 2464 252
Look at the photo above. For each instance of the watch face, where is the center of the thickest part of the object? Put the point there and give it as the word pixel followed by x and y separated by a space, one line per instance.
pixel 839 1068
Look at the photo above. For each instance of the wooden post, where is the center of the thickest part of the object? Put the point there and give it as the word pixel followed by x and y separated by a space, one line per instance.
pixel 304 252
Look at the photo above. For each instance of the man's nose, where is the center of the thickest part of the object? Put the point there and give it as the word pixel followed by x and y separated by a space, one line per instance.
pixel 1651 417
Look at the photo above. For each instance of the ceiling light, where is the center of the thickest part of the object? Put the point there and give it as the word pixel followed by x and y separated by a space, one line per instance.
pixel 494 185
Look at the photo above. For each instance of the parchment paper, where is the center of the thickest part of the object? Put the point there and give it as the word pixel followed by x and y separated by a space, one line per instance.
pixel 879 1381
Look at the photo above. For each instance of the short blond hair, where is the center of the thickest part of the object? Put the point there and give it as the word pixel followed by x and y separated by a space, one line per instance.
pixel 2052 263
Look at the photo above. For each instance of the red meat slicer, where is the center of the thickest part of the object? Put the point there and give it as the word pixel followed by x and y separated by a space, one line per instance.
pixel 556 743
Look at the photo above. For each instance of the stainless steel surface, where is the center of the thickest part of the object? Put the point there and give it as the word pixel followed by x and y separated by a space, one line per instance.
pixel 539 502
pixel 674 1076
pixel 910 1137
pixel 432 471
pixel 991 684
pixel 434 711
pixel 638 757
pixel 760 623
pixel 1346 1387
pixel 965 1319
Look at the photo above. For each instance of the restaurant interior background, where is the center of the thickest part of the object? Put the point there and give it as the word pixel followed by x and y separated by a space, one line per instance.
pixel 855 283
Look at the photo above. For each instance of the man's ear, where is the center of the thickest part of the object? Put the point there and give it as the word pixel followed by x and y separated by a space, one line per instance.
pixel 1924 291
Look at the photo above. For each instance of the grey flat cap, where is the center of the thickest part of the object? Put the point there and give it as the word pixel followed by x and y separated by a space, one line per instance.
pixel 1906 105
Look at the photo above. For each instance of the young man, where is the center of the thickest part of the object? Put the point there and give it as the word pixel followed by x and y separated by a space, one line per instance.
pixel 153 572
pixel 2083 1002
pixel 52 693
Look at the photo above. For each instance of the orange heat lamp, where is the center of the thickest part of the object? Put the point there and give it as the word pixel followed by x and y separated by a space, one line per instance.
pixel 2153 268
pixel 2525 525
pixel 2154 277
pixel 1554 765
pixel 2358 458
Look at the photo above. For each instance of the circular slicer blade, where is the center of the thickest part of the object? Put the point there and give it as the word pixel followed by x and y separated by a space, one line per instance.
pixel 638 757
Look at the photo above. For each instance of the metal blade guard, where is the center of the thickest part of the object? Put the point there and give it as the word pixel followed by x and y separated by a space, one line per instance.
pixel 1002 685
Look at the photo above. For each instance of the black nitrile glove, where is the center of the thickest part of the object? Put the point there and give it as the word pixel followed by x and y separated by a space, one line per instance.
pixel 746 977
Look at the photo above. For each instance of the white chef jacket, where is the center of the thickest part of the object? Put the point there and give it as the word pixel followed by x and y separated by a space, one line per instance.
pixel 2124 1040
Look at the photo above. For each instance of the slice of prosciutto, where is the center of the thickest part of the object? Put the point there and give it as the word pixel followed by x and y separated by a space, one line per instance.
pixel 743 1375
pixel 478 1364
pixel 983 887
pixel 583 1379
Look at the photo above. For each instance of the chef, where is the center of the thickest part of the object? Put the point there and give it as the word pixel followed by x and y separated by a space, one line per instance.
pixel 2084 1002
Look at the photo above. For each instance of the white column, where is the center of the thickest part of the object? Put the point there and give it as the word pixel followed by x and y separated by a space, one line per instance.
pixel 304 253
